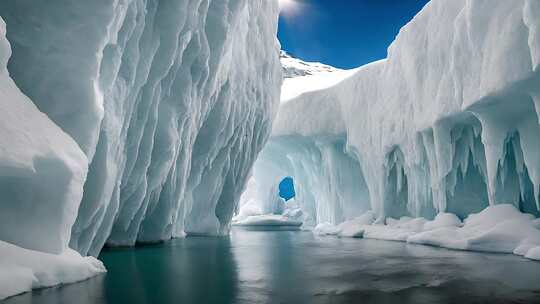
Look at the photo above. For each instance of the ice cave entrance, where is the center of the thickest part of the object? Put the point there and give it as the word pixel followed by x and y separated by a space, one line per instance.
pixel 286 188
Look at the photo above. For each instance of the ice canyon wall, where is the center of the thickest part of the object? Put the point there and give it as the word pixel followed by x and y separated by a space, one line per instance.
pixel 448 122
pixel 42 170
pixel 168 103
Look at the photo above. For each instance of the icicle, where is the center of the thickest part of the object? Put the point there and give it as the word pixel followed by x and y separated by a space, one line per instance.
pixel 530 151
pixel 518 154
pixel 493 138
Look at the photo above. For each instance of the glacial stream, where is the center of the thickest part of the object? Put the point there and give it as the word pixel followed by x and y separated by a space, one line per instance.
pixel 298 267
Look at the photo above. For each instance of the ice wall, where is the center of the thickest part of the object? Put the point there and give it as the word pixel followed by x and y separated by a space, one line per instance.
pixel 170 100
pixel 448 122
pixel 42 171
pixel 329 185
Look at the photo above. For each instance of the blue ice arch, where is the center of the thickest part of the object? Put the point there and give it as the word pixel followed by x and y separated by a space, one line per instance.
pixel 286 188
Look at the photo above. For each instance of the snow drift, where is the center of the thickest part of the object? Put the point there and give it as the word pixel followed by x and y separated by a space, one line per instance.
pixel 499 228
pixel 448 123
pixel 22 269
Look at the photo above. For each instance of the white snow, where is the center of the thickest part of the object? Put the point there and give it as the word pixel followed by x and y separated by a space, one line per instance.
pixel 442 220
pixel 268 220
pixel 533 253
pixel 353 228
pixel 22 270
pixel 301 77
pixel 42 170
pixel 325 229
pixel 251 214
pixel 500 228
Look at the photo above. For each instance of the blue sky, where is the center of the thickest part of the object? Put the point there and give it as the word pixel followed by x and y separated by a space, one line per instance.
pixel 344 33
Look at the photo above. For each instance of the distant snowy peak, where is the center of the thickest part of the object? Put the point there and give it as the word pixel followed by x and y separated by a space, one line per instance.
pixel 293 67
pixel 301 77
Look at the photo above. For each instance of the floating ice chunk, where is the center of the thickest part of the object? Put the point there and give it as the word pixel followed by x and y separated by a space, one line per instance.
pixel 267 220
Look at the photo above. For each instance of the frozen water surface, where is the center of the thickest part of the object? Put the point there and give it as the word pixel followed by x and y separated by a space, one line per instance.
pixel 298 267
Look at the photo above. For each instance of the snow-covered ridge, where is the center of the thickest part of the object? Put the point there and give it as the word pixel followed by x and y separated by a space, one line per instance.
pixel 293 67
pixel 301 76
pixel 447 123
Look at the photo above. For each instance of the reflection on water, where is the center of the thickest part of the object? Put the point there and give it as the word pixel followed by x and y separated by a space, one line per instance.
pixel 296 267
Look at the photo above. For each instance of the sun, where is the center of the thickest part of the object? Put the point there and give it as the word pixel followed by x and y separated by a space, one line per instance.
pixel 287 5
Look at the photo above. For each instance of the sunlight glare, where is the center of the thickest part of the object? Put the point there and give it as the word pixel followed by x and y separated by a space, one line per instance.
pixel 287 5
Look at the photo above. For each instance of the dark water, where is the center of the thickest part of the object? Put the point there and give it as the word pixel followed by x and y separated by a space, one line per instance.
pixel 297 267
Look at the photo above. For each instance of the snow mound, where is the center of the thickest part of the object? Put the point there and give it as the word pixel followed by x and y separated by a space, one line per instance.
pixel 323 229
pixel 353 228
pixel 442 220
pixel 22 270
pixel 500 228
pixel 356 227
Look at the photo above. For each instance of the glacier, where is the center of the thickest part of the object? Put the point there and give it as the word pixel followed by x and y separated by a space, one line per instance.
pixel 126 121
pixel 135 121
pixel 169 100
pixel 445 128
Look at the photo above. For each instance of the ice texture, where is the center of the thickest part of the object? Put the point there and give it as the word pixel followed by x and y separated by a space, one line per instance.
pixel 42 171
pixel 171 101
pixel 22 269
pixel 447 125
